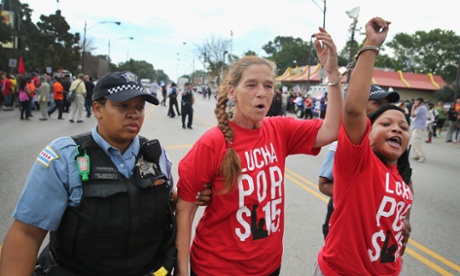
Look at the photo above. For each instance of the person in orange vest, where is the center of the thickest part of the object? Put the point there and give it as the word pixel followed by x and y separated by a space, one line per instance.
pixel 58 97
pixel 457 106
pixel 31 90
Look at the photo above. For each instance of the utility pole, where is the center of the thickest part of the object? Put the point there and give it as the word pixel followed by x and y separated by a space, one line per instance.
pixel 458 79
pixel 353 14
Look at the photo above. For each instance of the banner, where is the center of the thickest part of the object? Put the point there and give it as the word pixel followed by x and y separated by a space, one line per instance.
pixel 8 18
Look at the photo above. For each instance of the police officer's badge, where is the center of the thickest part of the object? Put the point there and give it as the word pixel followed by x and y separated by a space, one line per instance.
pixel 130 77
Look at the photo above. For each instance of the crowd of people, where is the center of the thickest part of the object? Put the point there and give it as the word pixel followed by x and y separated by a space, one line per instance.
pixel 42 92
pixel 111 207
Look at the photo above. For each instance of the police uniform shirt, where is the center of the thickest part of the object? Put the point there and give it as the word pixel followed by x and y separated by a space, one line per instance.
pixel 328 163
pixel 54 181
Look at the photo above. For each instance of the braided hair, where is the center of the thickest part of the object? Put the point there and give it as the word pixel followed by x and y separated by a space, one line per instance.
pixel 231 166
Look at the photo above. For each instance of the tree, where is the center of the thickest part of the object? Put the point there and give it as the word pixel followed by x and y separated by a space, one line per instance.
pixel 445 94
pixel 433 52
pixel 249 53
pixel 141 68
pixel 162 76
pixel 213 52
pixel 57 48
pixel 287 51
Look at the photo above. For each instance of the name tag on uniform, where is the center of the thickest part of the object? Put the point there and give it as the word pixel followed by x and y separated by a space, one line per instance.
pixel 107 173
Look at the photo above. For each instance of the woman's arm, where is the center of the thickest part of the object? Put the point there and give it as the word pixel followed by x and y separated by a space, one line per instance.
pixel 327 54
pixel 185 213
pixel 357 96
pixel 20 249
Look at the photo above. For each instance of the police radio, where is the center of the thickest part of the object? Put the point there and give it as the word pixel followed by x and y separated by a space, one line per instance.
pixel 149 169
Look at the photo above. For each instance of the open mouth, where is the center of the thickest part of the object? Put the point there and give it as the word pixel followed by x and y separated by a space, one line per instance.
pixel 260 106
pixel 394 141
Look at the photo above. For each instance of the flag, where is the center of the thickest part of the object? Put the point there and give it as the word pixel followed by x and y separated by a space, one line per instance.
pixel 21 67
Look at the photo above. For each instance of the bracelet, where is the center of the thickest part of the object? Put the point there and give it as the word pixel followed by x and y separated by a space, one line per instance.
pixel 337 82
pixel 365 48
pixel 342 72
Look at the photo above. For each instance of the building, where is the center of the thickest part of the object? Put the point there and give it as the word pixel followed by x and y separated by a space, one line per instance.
pixel 408 85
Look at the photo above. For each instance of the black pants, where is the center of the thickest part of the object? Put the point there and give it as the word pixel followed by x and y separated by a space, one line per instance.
pixel 330 210
pixel 276 273
pixel 59 105
pixel 172 104
pixel 25 109
pixel 187 110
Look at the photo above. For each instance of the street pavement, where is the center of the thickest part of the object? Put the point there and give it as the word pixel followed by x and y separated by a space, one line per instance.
pixel 435 218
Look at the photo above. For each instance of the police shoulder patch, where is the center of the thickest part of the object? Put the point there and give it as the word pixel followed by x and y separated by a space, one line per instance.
pixel 47 156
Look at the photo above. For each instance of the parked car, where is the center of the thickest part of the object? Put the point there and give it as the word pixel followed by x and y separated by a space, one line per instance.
pixel 62 74
pixel 146 83
pixel 299 107
pixel 198 89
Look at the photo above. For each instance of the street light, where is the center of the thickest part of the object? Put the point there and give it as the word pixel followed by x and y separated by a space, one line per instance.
pixel 111 43
pixel 323 11
pixel 192 76
pixel 84 39
pixel 309 64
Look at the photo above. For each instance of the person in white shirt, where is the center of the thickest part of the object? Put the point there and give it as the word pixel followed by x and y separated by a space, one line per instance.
pixel 154 87
pixel 431 121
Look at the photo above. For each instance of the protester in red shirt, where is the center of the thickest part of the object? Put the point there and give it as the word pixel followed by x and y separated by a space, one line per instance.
pixel 7 92
pixel 371 173
pixel 244 158
pixel 308 108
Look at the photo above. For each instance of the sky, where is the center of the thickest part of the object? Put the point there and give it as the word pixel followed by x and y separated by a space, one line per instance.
pixel 166 33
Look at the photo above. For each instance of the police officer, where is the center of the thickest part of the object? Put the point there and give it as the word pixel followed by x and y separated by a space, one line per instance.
pixel 104 195
pixel 187 101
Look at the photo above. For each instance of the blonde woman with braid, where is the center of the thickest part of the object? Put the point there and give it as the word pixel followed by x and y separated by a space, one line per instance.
pixel 241 231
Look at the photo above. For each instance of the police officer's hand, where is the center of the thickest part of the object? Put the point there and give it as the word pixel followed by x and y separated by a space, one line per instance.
pixel 203 197
pixel 174 199
pixel 406 234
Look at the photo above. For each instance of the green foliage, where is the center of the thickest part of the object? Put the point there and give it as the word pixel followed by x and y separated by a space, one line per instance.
pixel 249 53
pixel 433 52
pixel 57 47
pixel 141 68
pixel 445 94
pixel 162 76
pixel 290 52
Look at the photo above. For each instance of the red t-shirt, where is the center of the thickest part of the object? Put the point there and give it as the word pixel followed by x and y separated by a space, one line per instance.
pixel 371 200
pixel 7 87
pixel 241 232
pixel 308 103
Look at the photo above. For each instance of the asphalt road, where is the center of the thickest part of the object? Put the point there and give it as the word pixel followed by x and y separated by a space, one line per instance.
pixel 433 250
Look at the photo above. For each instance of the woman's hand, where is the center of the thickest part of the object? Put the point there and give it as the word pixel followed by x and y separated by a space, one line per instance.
pixel 376 31
pixel 406 234
pixel 203 197
pixel 327 52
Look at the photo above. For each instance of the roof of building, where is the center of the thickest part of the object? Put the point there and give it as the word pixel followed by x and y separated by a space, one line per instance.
pixel 386 78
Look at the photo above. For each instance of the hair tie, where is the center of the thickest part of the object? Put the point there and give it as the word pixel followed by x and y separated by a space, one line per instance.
pixel 229 144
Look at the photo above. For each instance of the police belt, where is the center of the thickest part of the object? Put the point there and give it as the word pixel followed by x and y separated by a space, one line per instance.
pixel 54 269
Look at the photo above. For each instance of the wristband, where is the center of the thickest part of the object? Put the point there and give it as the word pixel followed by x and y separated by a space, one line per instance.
pixel 365 48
